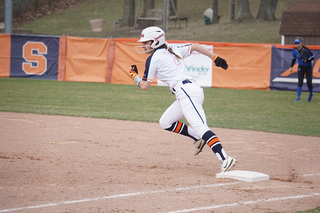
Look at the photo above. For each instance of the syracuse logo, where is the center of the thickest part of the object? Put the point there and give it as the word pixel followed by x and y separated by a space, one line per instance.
pixel 33 53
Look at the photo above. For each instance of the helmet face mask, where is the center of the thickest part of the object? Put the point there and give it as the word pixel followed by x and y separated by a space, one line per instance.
pixel 154 34
pixel 144 49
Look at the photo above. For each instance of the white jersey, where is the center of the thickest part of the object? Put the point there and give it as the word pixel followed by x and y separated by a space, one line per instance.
pixel 166 67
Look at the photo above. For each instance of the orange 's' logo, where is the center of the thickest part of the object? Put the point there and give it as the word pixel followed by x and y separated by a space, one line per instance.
pixel 36 63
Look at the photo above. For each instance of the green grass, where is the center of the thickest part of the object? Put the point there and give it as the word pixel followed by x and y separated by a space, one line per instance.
pixel 308 211
pixel 75 22
pixel 269 111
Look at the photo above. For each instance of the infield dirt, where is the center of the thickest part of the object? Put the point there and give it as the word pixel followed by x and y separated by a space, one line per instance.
pixel 76 164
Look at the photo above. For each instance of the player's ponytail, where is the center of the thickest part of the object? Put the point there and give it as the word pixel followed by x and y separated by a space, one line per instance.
pixel 170 50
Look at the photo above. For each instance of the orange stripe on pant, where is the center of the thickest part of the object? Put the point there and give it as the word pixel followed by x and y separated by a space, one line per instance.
pixel 213 141
pixel 178 127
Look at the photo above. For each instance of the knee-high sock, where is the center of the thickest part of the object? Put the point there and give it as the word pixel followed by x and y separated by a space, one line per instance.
pixel 310 91
pixel 213 142
pixel 183 129
pixel 299 90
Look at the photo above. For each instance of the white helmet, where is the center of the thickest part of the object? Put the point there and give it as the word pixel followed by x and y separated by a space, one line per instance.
pixel 154 34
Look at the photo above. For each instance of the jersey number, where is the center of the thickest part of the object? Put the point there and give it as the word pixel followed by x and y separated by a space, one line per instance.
pixel 36 62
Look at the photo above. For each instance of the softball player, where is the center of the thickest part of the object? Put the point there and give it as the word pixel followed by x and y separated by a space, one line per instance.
pixel 166 64
pixel 305 58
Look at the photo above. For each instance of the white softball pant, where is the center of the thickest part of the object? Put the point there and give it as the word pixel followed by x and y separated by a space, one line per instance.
pixel 188 105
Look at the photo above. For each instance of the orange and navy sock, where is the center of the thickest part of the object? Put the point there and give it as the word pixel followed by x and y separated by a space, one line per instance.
pixel 180 128
pixel 213 142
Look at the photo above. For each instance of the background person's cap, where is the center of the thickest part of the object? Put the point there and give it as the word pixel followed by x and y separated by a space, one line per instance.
pixel 297 41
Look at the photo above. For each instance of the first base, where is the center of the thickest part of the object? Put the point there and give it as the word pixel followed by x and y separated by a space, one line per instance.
pixel 246 176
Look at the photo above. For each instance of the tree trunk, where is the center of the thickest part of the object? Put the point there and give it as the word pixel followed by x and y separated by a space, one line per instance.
pixel 147 4
pixel 244 12
pixel 215 18
pixel 171 10
pixel 267 10
pixel 128 13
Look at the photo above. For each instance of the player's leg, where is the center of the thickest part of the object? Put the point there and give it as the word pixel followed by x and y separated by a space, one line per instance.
pixel 300 82
pixel 170 121
pixel 191 99
pixel 309 82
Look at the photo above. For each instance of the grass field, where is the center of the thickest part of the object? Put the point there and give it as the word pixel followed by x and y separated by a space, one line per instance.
pixel 75 22
pixel 269 111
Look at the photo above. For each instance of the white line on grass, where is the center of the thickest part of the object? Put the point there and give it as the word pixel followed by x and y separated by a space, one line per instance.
pixel 117 196
pixel 245 203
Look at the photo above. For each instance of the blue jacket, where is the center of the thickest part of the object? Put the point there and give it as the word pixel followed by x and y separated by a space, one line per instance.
pixel 302 55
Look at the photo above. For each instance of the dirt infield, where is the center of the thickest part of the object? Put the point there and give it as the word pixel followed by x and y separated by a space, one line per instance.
pixel 72 164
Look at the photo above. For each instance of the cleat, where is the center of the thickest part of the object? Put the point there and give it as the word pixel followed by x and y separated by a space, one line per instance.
pixel 199 146
pixel 227 164
pixel 309 98
pixel 297 100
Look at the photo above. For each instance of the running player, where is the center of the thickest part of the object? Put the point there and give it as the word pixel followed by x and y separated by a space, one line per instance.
pixel 166 64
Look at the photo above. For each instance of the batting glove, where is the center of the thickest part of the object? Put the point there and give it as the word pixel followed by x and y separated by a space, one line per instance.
pixel 133 71
pixel 134 74
pixel 220 62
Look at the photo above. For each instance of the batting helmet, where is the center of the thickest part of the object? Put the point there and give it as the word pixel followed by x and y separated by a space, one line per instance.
pixel 154 34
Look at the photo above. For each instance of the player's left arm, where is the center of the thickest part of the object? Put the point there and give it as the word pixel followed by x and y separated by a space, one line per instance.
pixel 201 49
pixel 310 56
pixel 219 62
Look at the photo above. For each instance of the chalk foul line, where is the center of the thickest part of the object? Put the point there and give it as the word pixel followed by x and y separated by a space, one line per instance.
pixel 167 190
pixel 245 203
pixel 117 196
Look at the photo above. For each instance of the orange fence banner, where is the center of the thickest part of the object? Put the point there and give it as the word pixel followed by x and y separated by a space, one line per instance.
pixel 62 58
pixel 103 60
pixel 249 67
pixel 5 55
pixel 125 56
pixel 86 59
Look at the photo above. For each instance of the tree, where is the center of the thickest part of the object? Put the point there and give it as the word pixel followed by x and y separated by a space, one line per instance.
pixel 267 10
pixel 128 13
pixel 244 12
pixel 171 10
pixel 216 17
pixel 147 4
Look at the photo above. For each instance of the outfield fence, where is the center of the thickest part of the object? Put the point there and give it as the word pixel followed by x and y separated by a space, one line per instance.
pixel 107 60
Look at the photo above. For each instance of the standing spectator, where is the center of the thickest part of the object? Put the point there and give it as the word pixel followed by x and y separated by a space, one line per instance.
pixel 305 57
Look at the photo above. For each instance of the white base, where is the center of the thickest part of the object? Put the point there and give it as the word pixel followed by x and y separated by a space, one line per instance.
pixel 246 176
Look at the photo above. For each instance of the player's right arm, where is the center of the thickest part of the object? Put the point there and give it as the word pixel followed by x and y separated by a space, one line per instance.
pixel 293 61
pixel 144 85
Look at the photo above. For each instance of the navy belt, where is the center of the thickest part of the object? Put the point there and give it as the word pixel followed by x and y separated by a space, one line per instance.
pixel 183 82
pixel 186 81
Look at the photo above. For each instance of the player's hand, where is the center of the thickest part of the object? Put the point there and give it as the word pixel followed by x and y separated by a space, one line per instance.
pixel 133 71
pixel 220 62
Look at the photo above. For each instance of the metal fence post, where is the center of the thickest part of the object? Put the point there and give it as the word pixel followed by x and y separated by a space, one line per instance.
pixel 164 15
pixel 8 17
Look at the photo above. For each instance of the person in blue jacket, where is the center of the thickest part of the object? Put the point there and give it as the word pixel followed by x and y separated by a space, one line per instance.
pixel 305 57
